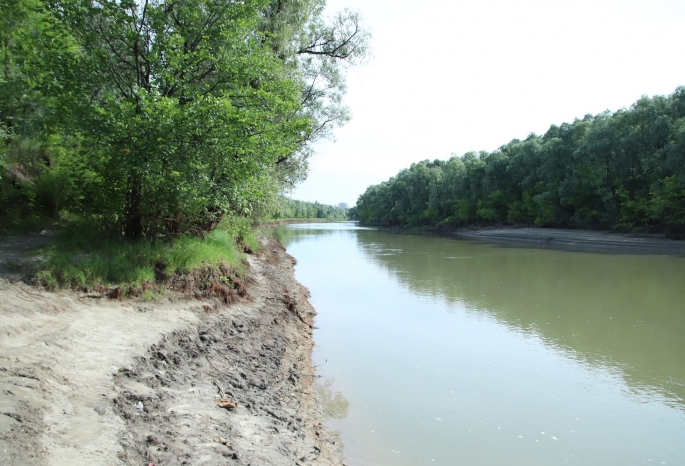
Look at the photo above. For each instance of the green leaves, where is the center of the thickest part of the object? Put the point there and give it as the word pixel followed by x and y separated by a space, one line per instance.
pixel 293 209
pixel 170 115
pixel 187 116
pixel 625 170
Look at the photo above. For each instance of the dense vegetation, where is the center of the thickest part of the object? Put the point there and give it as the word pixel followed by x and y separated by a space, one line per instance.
pixel 162 118
pixel 624 170
pixel 293 209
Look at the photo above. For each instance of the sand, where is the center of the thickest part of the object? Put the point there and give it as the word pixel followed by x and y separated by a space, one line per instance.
pixel 87 380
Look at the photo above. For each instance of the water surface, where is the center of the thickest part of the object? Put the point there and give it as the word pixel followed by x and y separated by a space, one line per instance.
pixel 434 350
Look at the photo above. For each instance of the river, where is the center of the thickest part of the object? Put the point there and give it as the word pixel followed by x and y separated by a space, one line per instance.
pixel 434 350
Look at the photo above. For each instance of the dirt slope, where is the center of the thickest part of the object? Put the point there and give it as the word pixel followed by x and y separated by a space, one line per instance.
pixel 98 382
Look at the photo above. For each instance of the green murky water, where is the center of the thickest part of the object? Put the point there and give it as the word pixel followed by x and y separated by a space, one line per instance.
pixel 434 350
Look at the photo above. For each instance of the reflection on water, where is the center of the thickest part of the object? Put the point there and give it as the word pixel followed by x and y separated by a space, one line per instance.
pixel 618 310
pixel 452 352
pixel 334 404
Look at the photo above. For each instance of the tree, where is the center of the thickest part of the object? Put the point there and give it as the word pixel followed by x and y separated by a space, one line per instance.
pixel 191 110
pixel 620 170
pixel 317 52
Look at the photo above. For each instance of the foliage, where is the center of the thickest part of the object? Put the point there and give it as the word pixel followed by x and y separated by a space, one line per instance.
pixel 293 209
pixel 165 117
pixel 620 170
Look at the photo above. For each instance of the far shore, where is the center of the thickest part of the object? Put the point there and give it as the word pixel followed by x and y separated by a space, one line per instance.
pixel 582 240
pixel 556 238
pixel 292 221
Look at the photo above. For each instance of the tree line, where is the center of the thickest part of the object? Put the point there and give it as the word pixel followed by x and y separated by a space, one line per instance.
pixel 165 117
pixel 294 209
pixel 623 170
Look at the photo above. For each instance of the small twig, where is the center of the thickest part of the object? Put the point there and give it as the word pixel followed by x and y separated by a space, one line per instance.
pixel 221 392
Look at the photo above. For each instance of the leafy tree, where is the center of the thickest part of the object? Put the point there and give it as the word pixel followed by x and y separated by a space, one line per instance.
pixel 187 115
pixel 316 52
pixel 294 209
pixel 175 114
pixel 620 170
pixel 30 42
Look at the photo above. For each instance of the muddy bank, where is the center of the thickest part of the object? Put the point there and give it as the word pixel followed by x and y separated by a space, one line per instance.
pixel 581 240
pixel 94 381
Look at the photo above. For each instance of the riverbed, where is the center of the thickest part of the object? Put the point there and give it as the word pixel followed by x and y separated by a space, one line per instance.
pixel 436 350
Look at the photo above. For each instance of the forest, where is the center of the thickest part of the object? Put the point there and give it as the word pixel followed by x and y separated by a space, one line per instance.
pixel 623 171
pixel 164 118
pixel 294 209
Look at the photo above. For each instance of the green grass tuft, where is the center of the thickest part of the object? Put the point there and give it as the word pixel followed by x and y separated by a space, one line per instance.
pixel 250 240
pixel 81 258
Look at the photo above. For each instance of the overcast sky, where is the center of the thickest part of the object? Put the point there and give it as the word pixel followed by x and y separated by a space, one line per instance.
pixel 456 76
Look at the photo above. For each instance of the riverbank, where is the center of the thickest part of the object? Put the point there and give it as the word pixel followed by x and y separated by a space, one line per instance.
pixel 581 240
pixel 87 380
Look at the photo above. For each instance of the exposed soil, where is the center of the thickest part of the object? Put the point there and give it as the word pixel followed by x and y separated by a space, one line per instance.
pixel 88 380
pixel 582 240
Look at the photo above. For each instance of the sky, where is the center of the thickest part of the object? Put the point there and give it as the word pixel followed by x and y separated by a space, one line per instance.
pixel 469 75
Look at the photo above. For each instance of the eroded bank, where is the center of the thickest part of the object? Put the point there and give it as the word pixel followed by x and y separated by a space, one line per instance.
pixel 103 382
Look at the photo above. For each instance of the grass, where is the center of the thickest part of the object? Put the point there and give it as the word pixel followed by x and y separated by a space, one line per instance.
pixel 81 258
pixel 250 240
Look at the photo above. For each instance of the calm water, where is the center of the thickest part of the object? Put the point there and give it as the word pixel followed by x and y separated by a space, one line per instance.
pixel 433 350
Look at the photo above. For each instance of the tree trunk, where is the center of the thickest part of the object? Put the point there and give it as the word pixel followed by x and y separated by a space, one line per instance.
pixel 133 229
